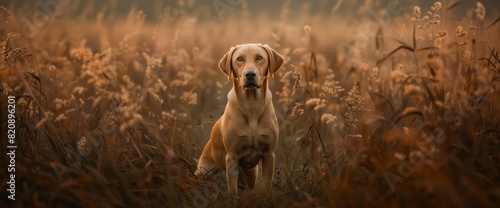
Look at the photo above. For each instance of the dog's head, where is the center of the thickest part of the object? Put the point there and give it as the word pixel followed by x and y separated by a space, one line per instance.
pixel 250 64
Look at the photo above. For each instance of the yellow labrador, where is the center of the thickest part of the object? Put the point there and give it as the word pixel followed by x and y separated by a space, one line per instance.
pixel 247 132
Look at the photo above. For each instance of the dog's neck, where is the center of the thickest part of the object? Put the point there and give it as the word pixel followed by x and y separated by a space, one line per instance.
pixel 253 102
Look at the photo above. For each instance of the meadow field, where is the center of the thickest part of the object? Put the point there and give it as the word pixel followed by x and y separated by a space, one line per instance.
pixel 380 104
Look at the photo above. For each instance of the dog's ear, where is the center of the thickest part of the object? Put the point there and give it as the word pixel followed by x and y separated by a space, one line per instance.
pixel 225 63
pixel 275 60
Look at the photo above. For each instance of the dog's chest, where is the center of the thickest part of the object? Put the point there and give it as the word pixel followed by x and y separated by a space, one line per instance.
pixel 253 145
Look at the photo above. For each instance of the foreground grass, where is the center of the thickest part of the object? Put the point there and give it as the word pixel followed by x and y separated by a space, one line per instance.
pixel 117 117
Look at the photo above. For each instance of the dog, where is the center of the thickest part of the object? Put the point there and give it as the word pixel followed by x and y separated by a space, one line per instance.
pixel 247 132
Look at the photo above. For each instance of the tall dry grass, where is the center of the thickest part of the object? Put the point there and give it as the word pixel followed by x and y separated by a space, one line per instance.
pixel 114 112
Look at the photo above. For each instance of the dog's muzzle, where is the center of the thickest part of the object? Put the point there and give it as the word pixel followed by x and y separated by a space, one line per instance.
pixel 251 81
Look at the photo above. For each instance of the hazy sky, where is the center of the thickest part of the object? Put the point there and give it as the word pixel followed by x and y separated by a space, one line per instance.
pixel 256 7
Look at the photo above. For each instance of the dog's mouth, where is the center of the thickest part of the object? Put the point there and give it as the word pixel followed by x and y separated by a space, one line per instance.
pixel 250 86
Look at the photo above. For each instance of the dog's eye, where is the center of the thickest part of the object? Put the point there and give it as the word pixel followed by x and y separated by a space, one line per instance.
pixel 259 58
pixel 239 59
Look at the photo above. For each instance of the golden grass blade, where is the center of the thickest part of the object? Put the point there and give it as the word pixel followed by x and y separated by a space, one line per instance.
pixel 493 23
pixel 402 47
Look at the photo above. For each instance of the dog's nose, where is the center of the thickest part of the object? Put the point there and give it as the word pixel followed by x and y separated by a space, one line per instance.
pixel 250 74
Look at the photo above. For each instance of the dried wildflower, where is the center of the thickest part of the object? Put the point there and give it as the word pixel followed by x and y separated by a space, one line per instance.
pixel 147 73
pixel 58 102
pixel 406 130
pixel 316 103
pixel 436 6
pixel 133 117
pixel 219 84
pixel 6 89
pixel 442 33
pixel 332 86
pixel 329 118
pixel 22 102
pixel 11 17
pixel 355 102
pixel 411 89
pixel 398 76
pixel 480 11
pixel 417 11
pixel 52 68
pixel 60 117
pixel 307 29
pixel 162 85
pixel 82 53
pixel 447 97
pixel 467 56
pixel 127 81
pixel 66 102
pixel 399 156
pixel 459 32
pixel 375 72
pixel 299 51
pixel 373 80
pixel 297 109
pixel 275 36
pixel 151 64
pixel 355 136
pixel 156 97
pixel 432 16
pixel 295 75
pixel 401 67
pixel 82 147
pixel 313 101
pixel 151 61
pixel 189 97
pixel 353 96
pixel 47 115
pixel 78 90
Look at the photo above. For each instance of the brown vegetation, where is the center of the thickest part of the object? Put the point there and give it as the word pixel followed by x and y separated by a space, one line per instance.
pixel 114 113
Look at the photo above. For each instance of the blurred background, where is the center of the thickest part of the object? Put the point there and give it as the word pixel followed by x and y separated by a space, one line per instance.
pixel 205 10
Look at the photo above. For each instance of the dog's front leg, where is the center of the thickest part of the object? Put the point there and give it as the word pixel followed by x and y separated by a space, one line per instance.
pixel 232 173
pixel 268 170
